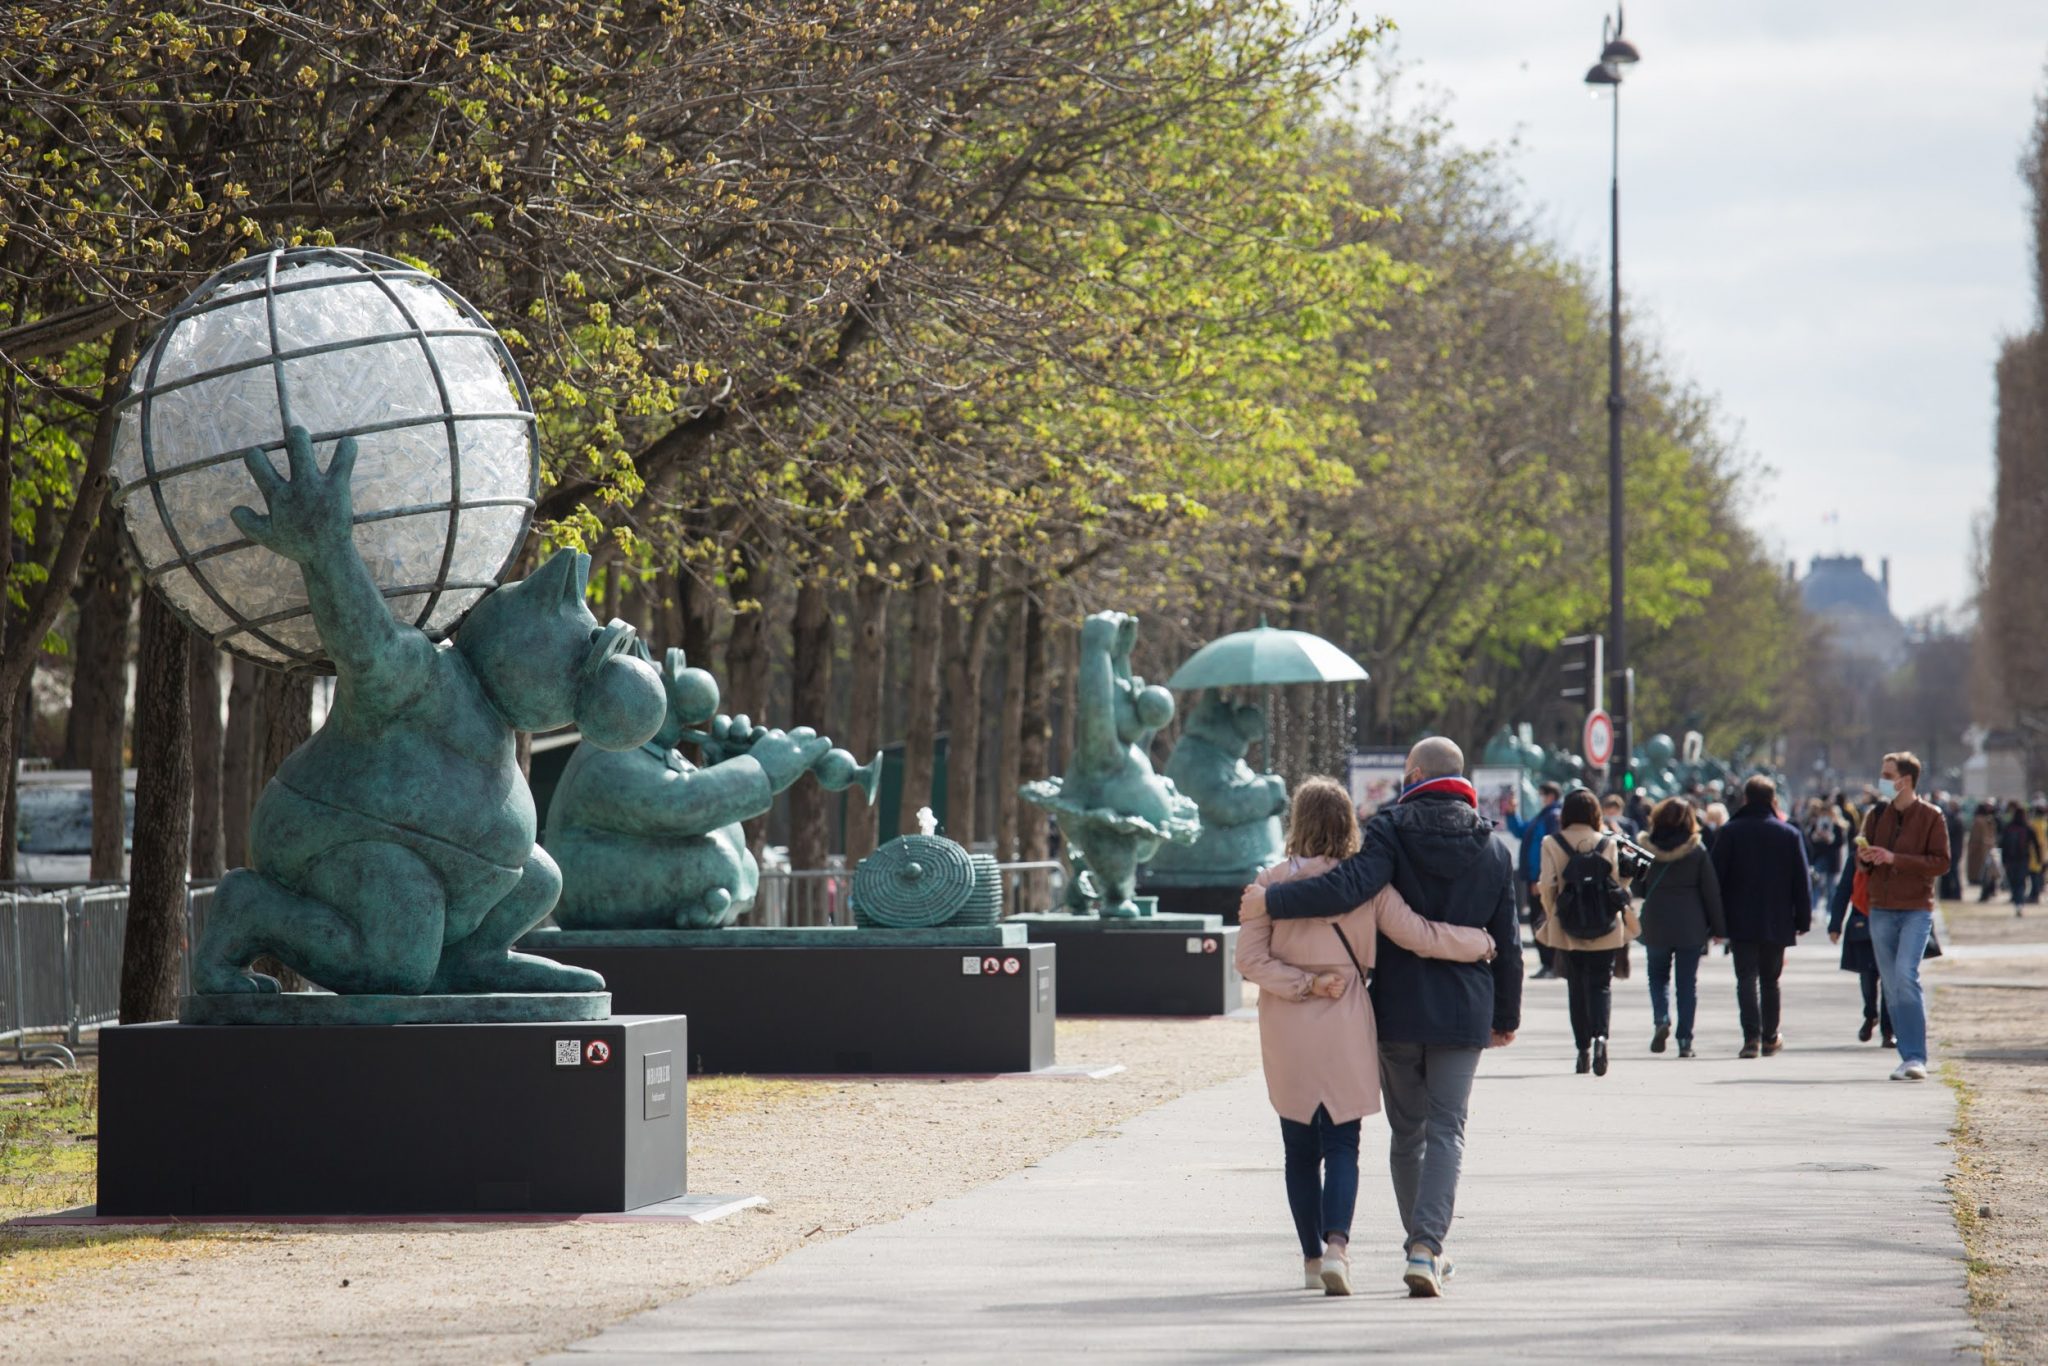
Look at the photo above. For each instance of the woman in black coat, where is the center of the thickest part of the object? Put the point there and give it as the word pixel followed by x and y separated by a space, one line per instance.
pixel 2018 849
pixel 1850 928
pixel 1681 913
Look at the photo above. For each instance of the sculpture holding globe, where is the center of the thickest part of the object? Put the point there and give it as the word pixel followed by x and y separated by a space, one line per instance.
pixel 393 854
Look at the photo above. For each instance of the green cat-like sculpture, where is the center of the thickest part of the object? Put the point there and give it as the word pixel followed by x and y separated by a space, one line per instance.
pixel 394 851
pixel 1240 809
pixel 647 840
pixel 1113 810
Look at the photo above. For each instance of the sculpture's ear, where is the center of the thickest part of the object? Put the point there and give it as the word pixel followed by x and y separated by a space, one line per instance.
pixel 674 663
pixel 579 574
pixel 555 580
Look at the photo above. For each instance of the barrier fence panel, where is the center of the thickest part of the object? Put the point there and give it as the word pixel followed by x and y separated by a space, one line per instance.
pixel 822 896
pixel 60 963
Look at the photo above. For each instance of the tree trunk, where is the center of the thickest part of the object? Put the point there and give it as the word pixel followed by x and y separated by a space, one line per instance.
pixel 746 654
pixel 1010 731
pixel 95 733
pixel 99 647
pixel 921 697
pixel 287 720
pixel 238 754
pixel 1034 739
pixel 209 847
pixel 966 655
pixel 810 806
pixel 697 618
pixel 163 818
pixel 864 707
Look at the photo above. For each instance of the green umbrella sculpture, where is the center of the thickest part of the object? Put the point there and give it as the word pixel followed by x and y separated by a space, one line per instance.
pixel 1266 657
pixel 1240 808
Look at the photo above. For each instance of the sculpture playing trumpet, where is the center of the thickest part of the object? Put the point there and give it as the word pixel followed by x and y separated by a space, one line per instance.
pixel 835 769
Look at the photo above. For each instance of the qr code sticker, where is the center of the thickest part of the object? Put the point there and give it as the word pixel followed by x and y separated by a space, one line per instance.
pixel 568 1052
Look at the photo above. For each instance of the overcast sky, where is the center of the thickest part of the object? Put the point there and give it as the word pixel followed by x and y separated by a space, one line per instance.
pixel 1822 222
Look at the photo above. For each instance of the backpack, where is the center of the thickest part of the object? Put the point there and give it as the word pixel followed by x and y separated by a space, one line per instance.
pixel 1588 896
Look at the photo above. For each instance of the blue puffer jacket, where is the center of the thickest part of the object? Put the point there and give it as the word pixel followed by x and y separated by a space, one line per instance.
pixel 1532 833
pixel 1440 855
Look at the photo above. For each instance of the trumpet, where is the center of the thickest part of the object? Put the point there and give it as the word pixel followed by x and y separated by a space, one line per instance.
pixel 835 769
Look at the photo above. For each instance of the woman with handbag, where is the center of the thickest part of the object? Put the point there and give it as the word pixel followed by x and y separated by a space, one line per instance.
pixel 1681 914
pixel 1317 1036
pixel 1588 959
pixel 1849 926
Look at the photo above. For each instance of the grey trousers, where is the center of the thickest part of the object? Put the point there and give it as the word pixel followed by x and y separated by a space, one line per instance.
pixel 1425 1089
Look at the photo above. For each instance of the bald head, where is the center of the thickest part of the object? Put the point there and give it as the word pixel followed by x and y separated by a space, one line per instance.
pixel 1435 757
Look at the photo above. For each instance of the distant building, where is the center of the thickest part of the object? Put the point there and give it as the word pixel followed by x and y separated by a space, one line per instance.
pixel 1857 609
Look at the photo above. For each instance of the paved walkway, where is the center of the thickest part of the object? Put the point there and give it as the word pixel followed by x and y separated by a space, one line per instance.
pixel 1783 1209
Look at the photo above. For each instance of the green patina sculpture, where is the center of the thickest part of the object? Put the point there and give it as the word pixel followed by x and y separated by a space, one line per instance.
pixel 1113 810
pixel 648 840
pixel 394 851
pixel 1240 809
pixel 924 882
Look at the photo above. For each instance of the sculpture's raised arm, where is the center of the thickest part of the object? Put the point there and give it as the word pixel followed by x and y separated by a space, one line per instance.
pixel 1095 687
pixel 309 519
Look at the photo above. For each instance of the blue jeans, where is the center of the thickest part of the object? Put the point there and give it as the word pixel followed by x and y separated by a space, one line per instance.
pixel 1687 961
pixel 1322 1178
pixel 1899 938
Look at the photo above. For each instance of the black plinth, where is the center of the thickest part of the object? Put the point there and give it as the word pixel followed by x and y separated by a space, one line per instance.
pixel 391 1119
pixel 1197 900
pixel 1134 968
pixel 908 1009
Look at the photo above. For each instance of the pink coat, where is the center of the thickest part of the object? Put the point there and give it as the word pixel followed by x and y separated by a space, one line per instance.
pixel 1318 1050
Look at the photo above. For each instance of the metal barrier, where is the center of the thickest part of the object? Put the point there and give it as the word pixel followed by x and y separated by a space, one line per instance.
pixel 60 964
pixel 821 896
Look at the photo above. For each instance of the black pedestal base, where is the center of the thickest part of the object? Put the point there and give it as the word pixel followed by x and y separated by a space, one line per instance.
pixel 396 1119
pixel 830 1009
pixel 1197 901
pixel 1124 968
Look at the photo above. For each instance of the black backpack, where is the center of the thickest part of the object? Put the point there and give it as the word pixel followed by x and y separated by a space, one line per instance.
pixel 1588 896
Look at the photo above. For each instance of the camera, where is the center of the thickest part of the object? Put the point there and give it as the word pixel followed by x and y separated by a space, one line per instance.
pixel 1631 860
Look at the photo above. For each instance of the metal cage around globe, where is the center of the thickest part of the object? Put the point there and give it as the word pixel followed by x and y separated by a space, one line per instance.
pixel 342 343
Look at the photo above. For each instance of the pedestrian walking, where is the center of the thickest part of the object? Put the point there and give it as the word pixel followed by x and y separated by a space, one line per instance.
pixel 1906 849
pixel 1711 821
pixel 1434 1017
pixel 1982 854
pixel 1767 897
pixel 1582 891
pixel 1681 915
pixel 1317 1035
pixel 1827 842
pixel 1532 833
pixel 2037 819
pixel 2019 849
pixel 1616 817
pixel 1951 886
pixel 1849 926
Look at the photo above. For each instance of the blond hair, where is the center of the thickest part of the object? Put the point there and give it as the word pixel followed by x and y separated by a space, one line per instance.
pixel 1322 822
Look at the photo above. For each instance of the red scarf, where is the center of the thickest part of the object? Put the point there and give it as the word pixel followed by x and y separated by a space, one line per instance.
pixel 1454 785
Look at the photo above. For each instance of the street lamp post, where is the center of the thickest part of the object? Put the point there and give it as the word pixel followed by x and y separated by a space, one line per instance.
pixel 1617 54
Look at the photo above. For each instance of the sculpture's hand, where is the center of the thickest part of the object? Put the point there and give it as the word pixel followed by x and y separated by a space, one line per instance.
pixel 785 758
pixel 1277 786
pixel 1099 632
pixel 308 514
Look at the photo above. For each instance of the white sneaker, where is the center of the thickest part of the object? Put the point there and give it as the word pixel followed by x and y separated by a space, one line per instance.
pixel 1910 1071
pixel 1312 1273
pixel 1336 1272
pixel 1424 1280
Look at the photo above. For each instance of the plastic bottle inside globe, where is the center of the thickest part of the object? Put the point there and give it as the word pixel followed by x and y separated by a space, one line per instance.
pixel 927 823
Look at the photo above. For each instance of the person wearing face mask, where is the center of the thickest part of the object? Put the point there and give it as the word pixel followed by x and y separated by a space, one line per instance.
pixel 1905 850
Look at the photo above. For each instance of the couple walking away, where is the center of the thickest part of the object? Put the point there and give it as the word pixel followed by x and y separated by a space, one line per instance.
pixel 1423 901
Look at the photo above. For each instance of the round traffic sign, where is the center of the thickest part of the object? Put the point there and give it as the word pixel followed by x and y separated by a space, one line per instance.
pixel 1599 744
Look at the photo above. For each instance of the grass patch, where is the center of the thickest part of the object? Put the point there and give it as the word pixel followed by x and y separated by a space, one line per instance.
pixel 49 1141
pixel 716 1097
pixel 33 1260
pixel 1966 1187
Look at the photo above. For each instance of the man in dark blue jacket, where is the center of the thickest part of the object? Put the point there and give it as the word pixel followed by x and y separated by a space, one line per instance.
pixel 1439 853
pixel 1532 833
pixel 1767 897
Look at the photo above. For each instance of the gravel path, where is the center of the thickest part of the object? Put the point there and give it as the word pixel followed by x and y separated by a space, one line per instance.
pixel 831 1156
pixel 1991 1014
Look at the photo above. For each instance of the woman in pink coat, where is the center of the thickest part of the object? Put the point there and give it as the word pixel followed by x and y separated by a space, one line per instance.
pixel 1316 1031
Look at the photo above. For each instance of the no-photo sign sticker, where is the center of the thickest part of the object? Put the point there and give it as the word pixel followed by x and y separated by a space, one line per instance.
pixel 1011 967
